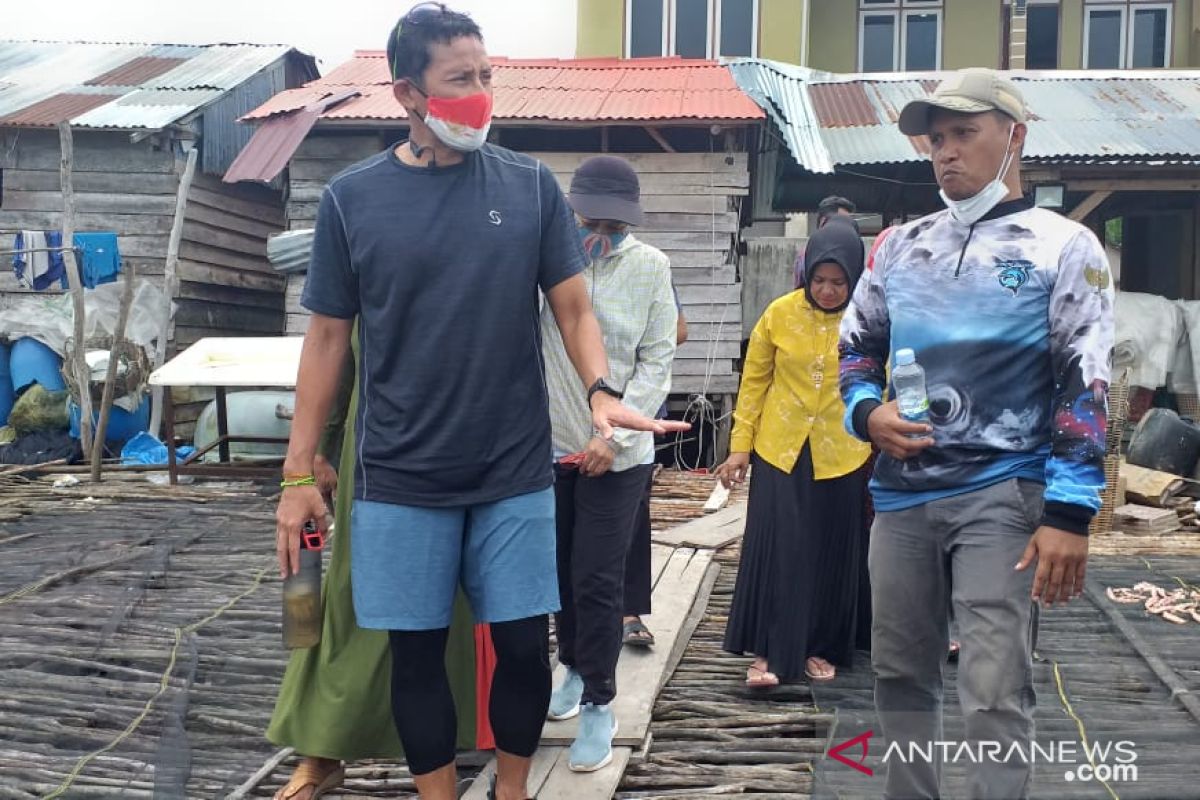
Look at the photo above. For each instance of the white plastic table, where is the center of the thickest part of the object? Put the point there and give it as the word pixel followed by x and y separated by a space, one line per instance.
pixel 220 363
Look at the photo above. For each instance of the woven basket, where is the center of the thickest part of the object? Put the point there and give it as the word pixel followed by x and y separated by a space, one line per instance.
pixel 1102 522
pixel 1118 413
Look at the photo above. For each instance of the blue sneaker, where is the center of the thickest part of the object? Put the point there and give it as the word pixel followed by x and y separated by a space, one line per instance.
pixel 564 703
pixel 592 749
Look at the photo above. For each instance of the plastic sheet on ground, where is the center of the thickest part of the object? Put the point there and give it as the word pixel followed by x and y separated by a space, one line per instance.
pixel 146 449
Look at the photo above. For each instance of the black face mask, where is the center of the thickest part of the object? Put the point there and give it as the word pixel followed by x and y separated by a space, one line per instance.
pixel 838 241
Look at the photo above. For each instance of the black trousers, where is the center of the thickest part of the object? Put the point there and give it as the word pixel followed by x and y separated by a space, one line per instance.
pixel 595 520
pixel 637 563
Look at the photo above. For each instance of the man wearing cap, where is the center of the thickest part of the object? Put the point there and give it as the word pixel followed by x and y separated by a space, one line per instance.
pixel 600 483
pixel 1009 310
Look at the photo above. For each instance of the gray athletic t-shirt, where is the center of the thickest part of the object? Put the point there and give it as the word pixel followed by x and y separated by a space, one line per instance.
pixel 443 267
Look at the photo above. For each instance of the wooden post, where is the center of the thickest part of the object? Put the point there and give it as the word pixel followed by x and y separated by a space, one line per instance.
pixel 170 283
pixel 79 361
pixel 110 377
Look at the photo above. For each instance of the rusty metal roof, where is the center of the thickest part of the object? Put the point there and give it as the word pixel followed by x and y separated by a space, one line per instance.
pixel 121 86
pixel 1128 116
pixel 653 90
pixel 136 72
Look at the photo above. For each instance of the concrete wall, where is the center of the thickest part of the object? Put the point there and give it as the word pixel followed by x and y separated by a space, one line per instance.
pixel 833 35
pixel 971 34
pixel 1070 34
pixel 781 30
pixel 600 29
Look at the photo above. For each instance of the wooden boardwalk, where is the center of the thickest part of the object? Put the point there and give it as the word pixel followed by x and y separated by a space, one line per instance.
pixel 139 658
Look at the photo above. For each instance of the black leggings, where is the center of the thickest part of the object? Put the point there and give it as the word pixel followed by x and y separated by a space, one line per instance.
pixel 423 706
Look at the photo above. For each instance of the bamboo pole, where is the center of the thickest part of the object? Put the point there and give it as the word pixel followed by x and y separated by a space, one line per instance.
pixel 170 283
pixel 110 377
pixel 75 274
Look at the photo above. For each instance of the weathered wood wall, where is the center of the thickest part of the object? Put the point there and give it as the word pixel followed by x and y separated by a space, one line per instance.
pixel 226 288
pixel 692 201
pixel 768 274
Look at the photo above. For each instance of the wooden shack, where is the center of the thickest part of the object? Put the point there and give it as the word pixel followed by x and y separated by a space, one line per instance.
pixel 135 111
pixel 683 124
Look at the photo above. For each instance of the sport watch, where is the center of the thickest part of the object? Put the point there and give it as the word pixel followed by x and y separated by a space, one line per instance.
pixel 602 385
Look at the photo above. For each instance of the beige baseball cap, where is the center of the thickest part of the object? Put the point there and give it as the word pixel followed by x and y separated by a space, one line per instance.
pixel 968 91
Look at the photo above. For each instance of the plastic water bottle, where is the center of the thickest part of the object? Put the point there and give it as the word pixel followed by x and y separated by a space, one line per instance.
pixel 908 379
pixel 302 593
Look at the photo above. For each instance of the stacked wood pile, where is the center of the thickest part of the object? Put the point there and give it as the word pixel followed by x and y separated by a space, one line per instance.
pixel 692 202
pixel 1156 512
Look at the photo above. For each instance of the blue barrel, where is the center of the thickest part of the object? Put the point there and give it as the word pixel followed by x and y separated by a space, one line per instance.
pixel 30 361
pixel 122 425
pixel 6 386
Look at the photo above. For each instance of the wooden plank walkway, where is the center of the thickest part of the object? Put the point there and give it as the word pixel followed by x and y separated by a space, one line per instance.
pixel 139 657
pixel 679 598
pixel 713 737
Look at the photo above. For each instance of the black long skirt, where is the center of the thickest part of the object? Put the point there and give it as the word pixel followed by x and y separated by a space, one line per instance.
pixel 798 590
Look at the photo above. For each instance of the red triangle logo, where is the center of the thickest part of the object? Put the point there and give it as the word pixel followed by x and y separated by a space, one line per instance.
pixel 862 740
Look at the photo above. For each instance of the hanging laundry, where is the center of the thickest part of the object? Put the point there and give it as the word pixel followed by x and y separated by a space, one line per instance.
pixel 99 256
pixel 36 263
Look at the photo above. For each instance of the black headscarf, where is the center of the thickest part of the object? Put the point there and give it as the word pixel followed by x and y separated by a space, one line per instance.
pixel 839 241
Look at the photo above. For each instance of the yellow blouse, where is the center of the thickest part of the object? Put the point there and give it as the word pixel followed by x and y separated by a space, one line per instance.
pixel 789 392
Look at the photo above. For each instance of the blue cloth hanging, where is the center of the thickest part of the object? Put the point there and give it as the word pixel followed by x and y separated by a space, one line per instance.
pixel 100 259
pixel 44 268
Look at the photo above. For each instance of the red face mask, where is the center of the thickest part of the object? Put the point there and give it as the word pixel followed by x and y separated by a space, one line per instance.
pixel 461 123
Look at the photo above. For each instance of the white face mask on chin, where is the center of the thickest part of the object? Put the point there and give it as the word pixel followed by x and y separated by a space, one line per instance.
pixel 973 209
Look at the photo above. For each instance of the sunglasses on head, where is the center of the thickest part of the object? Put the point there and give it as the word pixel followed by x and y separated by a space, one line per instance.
pixel 418 14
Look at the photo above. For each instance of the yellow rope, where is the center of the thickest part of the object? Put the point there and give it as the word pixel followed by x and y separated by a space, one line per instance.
pixel 163 684
pixel 1062 696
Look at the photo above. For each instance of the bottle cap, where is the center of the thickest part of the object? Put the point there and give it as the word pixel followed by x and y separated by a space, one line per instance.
pixel 311 538
pixel 905 357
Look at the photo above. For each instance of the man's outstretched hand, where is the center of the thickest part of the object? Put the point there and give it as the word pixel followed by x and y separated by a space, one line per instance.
pixel 609 413
pixel 1061 558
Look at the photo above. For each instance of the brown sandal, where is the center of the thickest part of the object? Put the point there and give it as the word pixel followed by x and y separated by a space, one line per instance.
pixel 309 772
pixel 759 678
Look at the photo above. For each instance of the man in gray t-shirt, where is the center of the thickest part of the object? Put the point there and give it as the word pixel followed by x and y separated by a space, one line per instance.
pixel 439 246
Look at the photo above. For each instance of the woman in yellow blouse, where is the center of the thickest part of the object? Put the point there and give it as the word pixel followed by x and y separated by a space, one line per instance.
pixel 796 603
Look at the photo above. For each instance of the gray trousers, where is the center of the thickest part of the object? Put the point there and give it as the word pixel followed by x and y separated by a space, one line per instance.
pixel 961 551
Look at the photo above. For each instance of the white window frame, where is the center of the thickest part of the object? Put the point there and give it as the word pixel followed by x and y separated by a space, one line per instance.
pixel 665 5
pixel 715 45
pixel 712 47
pixel 1128 10
pixel 937 45
pixel 675 18
pixel 900 12
pixel 883 11
pixel 1123 49
pixel 1131 21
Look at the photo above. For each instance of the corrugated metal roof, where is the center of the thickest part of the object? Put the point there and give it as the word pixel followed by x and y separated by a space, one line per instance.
pixel 136 72
pixel 143 86
pixel 55 108
pixel 611 90
pixel 831 120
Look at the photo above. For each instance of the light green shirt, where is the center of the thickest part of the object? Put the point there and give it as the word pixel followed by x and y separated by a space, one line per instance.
pixel 632 297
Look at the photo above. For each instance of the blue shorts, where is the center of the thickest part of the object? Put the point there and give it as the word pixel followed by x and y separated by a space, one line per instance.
pixel 407 561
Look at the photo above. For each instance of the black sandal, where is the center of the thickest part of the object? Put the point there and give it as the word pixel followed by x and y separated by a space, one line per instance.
pixel 491 795
pixel 636 634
